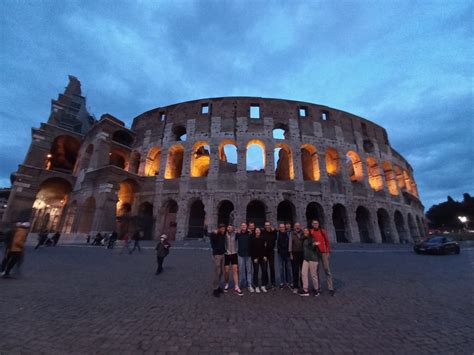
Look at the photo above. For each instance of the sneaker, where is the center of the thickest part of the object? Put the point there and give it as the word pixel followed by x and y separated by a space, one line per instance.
pixel 238 292
pixel 257 289
pixel 226 288
pixel 304 293
pixel 251 289
pixel 316 293
pixel 264 289
pixel 331 292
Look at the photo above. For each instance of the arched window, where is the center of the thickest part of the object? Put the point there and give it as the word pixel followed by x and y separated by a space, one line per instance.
pixel 200 159
pixel 227 156
pixel 283 163
pixel 174 164
pixel 333 165
pixel 310 162
pixel 179 133
pixel 280 131
pixel 390 178
pixel 255 155
pixel 354 166
pixel 153 160
pixel 118 158
pixel 375 176
pixel 63 154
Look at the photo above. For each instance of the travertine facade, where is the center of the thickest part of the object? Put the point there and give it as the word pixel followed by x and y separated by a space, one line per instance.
pixel 175 171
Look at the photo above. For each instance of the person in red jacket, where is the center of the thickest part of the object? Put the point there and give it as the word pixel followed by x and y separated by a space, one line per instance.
pixel 321 237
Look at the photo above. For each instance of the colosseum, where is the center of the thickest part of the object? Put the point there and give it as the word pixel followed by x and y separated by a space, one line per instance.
pixel 184 168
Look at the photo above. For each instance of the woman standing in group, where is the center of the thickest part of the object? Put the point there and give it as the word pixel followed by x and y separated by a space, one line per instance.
pixel 257 253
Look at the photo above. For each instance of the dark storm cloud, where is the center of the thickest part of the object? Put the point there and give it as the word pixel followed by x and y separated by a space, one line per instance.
pixel 405 65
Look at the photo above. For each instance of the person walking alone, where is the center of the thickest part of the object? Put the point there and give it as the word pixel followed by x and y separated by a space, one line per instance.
pixel 320 236
pixel 162 251
pixel 218 250
pixel 42 237
pixel 136 241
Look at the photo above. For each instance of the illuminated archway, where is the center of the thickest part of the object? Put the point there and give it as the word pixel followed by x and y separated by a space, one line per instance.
pixel 310 163
pixel 354 166
pixel 200 159
pixel 333 164
pixel 152 167
pixel 255 156
pixel 49 204
pixel 174 163
pixel 284 169
pixel 168 219
pixel 375 176
pixel 63 154
pixel 390 178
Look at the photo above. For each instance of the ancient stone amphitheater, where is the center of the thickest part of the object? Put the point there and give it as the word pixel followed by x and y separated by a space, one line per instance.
pixel 184 168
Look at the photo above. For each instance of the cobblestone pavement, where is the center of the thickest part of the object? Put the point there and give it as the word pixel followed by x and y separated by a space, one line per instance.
pixel 89 299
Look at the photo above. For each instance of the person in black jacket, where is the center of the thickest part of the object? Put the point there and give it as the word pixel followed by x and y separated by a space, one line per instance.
pixel 283 244
pixel 269 234
pixel 162 250
pixel 218 250
pixel 257 252
pixel 244 260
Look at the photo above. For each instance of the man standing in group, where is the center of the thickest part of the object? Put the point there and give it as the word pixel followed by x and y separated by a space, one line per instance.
pixel 296 255
pixel 269 235
pixel 231 261
pixel 283 243
pixel 245 262
pixel 218 250
pixel 320 236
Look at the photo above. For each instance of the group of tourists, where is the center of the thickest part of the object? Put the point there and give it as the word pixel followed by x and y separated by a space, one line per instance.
pixel 249 255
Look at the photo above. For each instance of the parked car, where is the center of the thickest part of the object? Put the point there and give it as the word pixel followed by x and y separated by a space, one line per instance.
pixel 437 245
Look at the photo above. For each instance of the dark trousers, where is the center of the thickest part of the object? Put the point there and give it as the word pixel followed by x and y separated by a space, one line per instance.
pixel 296 265
pixel 159 260
pixel 13 258
pixel 4 262
pixel 136 245
pixel 271 266
pixel 262 265
pixel 40 242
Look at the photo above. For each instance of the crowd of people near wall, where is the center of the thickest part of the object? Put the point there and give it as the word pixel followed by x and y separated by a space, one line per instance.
pixel 248 254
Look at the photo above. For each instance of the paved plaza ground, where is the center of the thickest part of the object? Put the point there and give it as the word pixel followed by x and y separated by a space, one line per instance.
pixel 82 299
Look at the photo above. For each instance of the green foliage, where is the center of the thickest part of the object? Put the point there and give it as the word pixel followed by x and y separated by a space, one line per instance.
pixel 445 214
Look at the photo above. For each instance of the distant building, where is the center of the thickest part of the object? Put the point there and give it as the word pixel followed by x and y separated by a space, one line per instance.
pixel 184 168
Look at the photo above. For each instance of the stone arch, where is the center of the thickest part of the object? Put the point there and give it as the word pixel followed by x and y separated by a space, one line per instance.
pixel 118 157
pixel 87 215
pixel 400 179
pixel 310 163
pixel 63 154
pixel 126 196
pixel 375 176
pixel 333 163
pixel 286 212
pixel 197 218
pixel 49 204
pixel 383 220
pixel 225 214
pixel 152 167
pixel 174 163
pixel 169 211
pixel 255 155
pixel 355 170
pixel 414 232
pixel 314 211
pixel 228 157
pixel 280 131
pixel 123 137
pixel 200 159
pixel 400 226
pixel 390 178
pixel 284 169
pixel 145 220
pixel 364 223
pixel 341 223
pixel 256 212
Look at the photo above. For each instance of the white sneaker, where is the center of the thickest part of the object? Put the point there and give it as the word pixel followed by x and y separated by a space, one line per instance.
pixel 251 289
pixel 257 289
pixel 264 289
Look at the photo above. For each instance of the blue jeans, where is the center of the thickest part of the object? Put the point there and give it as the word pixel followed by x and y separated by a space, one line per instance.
pixel 245 271
pixel 285 269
